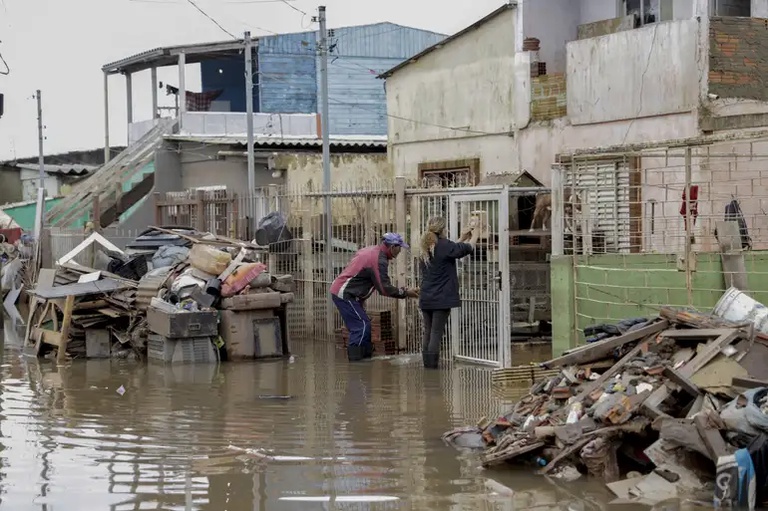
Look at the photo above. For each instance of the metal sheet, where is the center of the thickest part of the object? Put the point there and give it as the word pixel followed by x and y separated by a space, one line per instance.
pixel 80 289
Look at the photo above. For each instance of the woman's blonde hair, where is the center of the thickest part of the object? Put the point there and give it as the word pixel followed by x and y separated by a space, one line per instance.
pixel 435 228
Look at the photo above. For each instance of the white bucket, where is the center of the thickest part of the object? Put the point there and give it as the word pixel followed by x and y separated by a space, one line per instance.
pixel 737 307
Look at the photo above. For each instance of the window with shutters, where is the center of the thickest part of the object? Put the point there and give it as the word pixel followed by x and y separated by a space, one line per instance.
pixel 607 196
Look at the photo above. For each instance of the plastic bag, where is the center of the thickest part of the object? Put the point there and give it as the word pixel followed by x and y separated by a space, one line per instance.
pixel 744 415
pixel 169 255
pixel 272 229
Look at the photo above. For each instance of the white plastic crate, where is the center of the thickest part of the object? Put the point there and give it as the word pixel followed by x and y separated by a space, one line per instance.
pixel 197 350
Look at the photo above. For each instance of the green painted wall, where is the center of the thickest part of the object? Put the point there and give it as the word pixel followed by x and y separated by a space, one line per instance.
pixel 563 312
pixel 25 215
pixel 611 287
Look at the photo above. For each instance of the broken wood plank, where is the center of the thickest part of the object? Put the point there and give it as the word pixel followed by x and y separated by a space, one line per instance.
pixel 510 453
pixel 85 288
pixel 696 407
pixel 65 324
pixel 681 432
pixel 601 349
pixel 695 333
pixel 682 381
pixel 568 451
pixel 713 440
pixel 636 426
pixel 610 373
pixel 748 383
pixel 90 304
pixel 46 336
pixel 710 351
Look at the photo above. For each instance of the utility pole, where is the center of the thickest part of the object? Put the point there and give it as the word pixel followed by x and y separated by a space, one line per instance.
pixel 249 111
pixel 40 210
pixel 40 158
pixel 325 125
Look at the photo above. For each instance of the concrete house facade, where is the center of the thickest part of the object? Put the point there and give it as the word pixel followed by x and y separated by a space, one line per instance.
pixel 539 78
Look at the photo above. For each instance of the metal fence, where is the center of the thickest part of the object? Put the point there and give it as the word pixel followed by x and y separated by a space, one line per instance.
pixel 662 226
pixel 504 284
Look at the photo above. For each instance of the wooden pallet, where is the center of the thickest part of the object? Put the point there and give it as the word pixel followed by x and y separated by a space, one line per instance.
pixel 521 375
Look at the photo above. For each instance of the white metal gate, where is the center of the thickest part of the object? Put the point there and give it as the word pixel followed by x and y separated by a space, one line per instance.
pixel 480 329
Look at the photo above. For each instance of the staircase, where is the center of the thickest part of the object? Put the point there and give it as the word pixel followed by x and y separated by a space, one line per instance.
pixel 120 184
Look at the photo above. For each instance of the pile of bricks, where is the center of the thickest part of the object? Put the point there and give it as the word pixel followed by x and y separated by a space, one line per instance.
pixel 382 333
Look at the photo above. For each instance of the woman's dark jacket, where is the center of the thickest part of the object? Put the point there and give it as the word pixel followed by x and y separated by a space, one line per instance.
pixel 439 282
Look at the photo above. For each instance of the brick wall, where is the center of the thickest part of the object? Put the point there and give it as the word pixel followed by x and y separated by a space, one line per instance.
pixel 738 61
pixel 548 97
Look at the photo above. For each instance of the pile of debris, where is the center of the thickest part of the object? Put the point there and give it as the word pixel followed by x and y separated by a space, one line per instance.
pixel 168 286
pixel 654 407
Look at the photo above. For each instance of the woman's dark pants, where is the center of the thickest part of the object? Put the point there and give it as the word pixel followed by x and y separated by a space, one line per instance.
pixel 434 328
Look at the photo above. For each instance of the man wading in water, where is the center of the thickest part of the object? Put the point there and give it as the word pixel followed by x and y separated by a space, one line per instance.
pixel 368 270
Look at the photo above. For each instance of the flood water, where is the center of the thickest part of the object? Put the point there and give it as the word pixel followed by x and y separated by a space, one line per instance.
pixel 351 436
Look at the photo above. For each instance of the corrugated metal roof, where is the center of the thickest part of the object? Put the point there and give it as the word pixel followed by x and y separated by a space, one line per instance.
pixel 350 41
pixel 166 56
pixel 358 141
pixel 511 4
pixel 65 170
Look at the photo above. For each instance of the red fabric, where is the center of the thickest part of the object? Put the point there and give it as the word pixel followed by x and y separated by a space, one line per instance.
pixel 694 201
pixel 11 235
pixel 201 101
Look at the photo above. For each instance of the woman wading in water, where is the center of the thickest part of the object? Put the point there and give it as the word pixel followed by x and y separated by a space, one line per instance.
pixel 439 283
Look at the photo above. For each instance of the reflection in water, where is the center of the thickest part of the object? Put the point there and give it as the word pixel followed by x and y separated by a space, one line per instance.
pixel 362 436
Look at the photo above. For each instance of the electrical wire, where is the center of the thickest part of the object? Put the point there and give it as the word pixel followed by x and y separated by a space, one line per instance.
pixel 213 20
pixel 368 70
pixel 7 67
pixel 286 2
pixel 257 1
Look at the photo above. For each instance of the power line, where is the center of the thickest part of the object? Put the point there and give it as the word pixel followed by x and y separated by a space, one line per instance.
pixel 233 36
pixel 258 2
pixel 7 67
pixel 286 2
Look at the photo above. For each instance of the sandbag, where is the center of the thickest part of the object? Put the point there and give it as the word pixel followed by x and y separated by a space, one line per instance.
pixel 209 259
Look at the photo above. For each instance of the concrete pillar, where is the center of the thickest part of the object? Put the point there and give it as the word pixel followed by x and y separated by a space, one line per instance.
pixel 155 112
pixel 129 102
pixel 182 88
pixel 106 117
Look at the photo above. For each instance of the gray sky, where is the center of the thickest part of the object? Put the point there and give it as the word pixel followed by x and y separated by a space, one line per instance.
pixel 59 47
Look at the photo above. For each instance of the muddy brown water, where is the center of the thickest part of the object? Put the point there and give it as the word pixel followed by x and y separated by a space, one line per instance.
pixel 358 437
